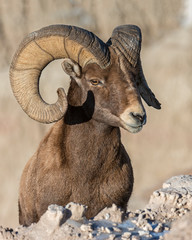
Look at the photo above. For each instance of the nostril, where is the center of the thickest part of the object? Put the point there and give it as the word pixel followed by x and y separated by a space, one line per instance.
pixel 140 117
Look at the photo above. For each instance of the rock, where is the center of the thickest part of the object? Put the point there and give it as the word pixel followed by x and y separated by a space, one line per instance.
pixel 126 235
pixel 85 228
pixel 181 229
pixel 7 233
pixel 174 199
pixel 135 237
pixel 48 224
pixel 78 211
pixel 182 183
pixel 158 228
pixel 54 217
pixel 113 214
pixel 165 215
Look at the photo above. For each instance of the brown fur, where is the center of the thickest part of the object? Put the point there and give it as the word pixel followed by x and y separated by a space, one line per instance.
pixel 82 158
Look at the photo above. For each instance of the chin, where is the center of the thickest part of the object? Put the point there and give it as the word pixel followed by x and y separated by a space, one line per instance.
pixel 132 129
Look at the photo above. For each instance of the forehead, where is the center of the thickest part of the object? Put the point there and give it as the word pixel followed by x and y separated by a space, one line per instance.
pixel 118 71
pixel 94 70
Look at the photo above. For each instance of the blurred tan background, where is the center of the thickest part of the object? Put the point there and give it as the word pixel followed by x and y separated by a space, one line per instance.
pixel 163 147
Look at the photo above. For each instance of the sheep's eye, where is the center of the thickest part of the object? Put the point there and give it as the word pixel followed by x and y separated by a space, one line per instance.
pixel 95 82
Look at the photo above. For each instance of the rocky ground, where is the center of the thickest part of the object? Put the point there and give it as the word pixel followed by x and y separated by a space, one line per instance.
pixel 167 216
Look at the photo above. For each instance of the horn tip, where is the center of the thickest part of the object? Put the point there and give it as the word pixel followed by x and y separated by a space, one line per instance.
pixel 156 104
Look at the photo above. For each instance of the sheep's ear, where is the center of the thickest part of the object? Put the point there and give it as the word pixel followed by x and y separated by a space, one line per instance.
pixel 71 68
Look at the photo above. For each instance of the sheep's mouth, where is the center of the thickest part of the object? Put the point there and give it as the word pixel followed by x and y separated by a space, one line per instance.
pixel 132 128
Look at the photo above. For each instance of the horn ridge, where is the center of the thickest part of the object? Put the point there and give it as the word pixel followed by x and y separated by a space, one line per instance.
pixel 127 39
pixel 36 51
pixel 82 37
pixel 44 50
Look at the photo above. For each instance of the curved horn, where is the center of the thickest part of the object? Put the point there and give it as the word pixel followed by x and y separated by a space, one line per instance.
pixel 144 89
pixel 36 51
pixel 126 40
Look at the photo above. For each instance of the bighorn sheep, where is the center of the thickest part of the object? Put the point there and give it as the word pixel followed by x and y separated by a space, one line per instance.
pixel 82 158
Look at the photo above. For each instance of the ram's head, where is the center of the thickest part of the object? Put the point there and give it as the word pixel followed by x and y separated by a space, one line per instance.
pixel 107 77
